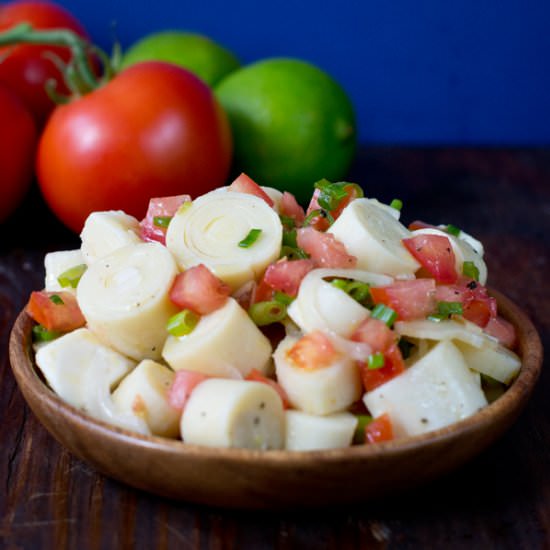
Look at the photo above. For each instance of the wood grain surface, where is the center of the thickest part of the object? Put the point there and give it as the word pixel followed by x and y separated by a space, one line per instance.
pixel 51 500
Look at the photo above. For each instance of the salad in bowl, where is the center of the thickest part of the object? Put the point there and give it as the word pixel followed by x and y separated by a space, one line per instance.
pixel 237 319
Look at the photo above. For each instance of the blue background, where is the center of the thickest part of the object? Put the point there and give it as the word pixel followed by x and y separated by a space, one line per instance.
pixel 421 72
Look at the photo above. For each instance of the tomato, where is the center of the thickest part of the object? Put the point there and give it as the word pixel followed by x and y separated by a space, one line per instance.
pixel 312 351
pixel 321 223
pixel 199 290
pixel 183 384
pixel 245 184
pixel 286 276
pixel 502 330
pixel 163 208
pixel 26 68
pixel 324 249
pixel 57 311
pixel 435 254
pixel 380 429
pixel 291 208
pixel 477 306
pixel 414 299
pixel 154 130
pixel 393 366
pixel 17 147
pixel 375 333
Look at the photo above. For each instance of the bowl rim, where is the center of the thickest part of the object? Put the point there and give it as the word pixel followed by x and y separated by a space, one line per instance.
pixel 511 402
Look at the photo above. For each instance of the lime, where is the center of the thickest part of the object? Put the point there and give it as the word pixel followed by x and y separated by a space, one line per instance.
pixel 292 124
pixel 195 52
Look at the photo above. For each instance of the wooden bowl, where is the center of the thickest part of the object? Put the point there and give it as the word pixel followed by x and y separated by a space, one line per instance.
pixel 270 479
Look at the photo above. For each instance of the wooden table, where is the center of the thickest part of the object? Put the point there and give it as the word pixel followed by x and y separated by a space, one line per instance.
pixel 50 499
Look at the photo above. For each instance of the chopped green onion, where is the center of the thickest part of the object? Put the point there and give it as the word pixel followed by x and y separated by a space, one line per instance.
pixel 182 323
pixel 470 270
pixel 384 313
pixel 358 290
pixel 287 221
pixel 72 276
pixel 376 361
pixel 397 204
pixel 342 284
pixel 330 194
pixel 162 221
pixel 283 298
pixel 362 421
pixel 312 215
pixel 293 253
pixel 251 238
pixel 289 238
pixel 57 300
pixel 445 310
pixel 452 230
pixel 265 313
pixel 41 334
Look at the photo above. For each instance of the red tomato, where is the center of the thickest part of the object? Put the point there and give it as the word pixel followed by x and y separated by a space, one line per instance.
pixel 393 366
pixel 256 376
pixel 312 351
pixel 502 330
pixel 380 429
pixel 286 276
pixel 291 208
pixel 324 249
pixel 245 184
pixel 414 299
pixel 375 333
pixel 17 147
pixel 60 315
pixel 184 383
pixel 154 130
pixel 320 222
pixel 163 207
pixel 27 67
pixel 477 306
pixel 199 290
pixel 435 254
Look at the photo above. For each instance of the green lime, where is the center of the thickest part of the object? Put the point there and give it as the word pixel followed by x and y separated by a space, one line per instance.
pixel 195 52
pixel 292 124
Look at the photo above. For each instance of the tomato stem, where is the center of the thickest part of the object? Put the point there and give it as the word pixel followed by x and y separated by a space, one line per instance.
pixel 78 68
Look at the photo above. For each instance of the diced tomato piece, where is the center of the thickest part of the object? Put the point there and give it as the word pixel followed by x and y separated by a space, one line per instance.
pixel 262 292
pixel 183 384
pixel 393 366
pixel 256 376
pixel 162 207
pixel 324 249
pixel 291 208
pixel 502 330
pixel 477 306
pixel 199 290
pixel 321 223
pixel 375 333
pixel 60 314
pixel 245 184
pixel 286 276
pixel 312 351
pixel 380 429
pixel 435 254
pixel 414 299
pixel 418 224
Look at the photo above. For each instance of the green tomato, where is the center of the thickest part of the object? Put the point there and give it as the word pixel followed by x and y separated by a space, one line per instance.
pixel 197 53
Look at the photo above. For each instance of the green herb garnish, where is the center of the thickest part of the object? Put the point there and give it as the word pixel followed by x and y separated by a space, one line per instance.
pixel 71 276
pixel 182 323
pixel 251 238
